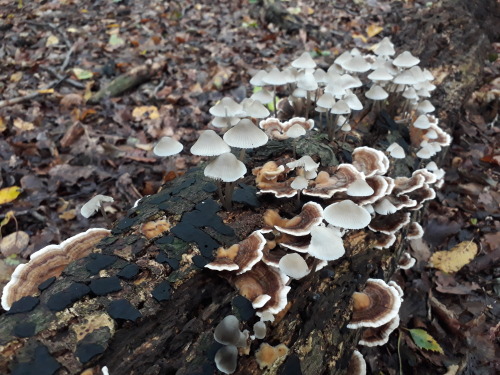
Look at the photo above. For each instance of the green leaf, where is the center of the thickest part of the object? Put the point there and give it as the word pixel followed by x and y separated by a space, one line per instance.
pixel 115 40
pixel 425 341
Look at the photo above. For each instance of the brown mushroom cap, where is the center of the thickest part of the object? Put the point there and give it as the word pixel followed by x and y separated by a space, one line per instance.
pixel 379 335
pixel 242 256
pixel 49 262
pixel 375 306
pixel 405 185
pixel 384 241
pixel 406 261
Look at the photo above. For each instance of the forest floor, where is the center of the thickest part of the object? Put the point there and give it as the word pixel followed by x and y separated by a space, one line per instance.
pixel 61 150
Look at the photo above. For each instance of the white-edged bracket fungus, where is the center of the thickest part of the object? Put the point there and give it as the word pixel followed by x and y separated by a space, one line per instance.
pixel 376 305
pixel 380 335
pixel 49 262
pixel 357 364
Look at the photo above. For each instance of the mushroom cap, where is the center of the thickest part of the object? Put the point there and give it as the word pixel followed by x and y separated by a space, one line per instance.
pixel 167 146
pixel 254 108
pixel 389 224
pixel 353 101
pixel 306 81
pixel 380 74
pixel 226 359
pixel 375 306
pixel 245 135
pixel 225 167
pixel 311 215
pixel 259 330
pixel 385 48
pixel 275 78
pixel 299 183
pixel 406 261
pixel 360 188
pixel 422 122
pixel 294 266
pixel 256 80
pixel 224 122
pixel 347 214
pixel 264 96
pixel 356 64
pixel 376 93
pixel 405 60
pixel 384 207
pixel 325 244
pixel 304 61
pixel 91 207
pixel 49 262
pixel 326 100
pixel 210 143
pixel 305 162
pixel 227 107
pixel 384 241
pixel 295 131
pixel 228 331
pixel 340 108
pixel 396 151
pixel 405 78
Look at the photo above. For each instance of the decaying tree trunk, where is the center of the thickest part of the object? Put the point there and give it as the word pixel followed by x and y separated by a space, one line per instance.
pixel 172 332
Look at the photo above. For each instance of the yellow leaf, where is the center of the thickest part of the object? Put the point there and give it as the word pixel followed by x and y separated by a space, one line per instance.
pixel 3 125
pixel 9 194
pixel 68 215
pixel 51 40
pixel 425 341
pixel 46 91
pixel 357 35
pixel 82 74
pixel 9 215
pixel 373 30
pixel 16 77
pixel 453 260
pixel 23 125
pixel 145 111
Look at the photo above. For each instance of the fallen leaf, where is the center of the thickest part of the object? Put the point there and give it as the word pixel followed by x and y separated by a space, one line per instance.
pixel 23 125
pixel 373 30
pixel 14 243
pixel 454 259
pixel 16 77
pixel 446 283
pixel 82 74
pixel 425 341
pixel 51 40
pixel 68 215
pixel 3 125
pixel 9 194
pixel 145 112
pixel 115 40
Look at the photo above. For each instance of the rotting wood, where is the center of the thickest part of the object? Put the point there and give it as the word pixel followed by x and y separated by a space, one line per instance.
pixel 175 336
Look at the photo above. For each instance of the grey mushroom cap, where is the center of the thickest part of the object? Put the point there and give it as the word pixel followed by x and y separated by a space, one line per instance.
pixel 275 78
pixel 406 60
pixel 225 167
pixel 226 359
pixel 167 146
pixel 259 330
pixel 294 266
pixel 245 134
pixel 385 48
pixel 325 244
pixel 227 107
pixel 228 331
pixel 305 61
pixel 254 108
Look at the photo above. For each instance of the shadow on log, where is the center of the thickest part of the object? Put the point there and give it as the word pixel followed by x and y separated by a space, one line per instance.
pixel 161 320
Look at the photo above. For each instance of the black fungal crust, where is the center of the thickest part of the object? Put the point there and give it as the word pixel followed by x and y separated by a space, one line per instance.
pixel 44 285
pixel 242 308
pixel 85 352
pixel 24 329
pixel 163 258
pixel 246 194
pixel 43 364
pixel 25 304
pixel 200 261
pixel 129 271
pixel 291 366
pixel 123 309
pixel 162 291
pixel 99 262
pixel 105 285
pixel 59 301
pixel 190 233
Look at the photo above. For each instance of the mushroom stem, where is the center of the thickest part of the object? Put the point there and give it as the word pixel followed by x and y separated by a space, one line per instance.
pixel 242 155
pixel 274 100
pixel 308 102
pixel 228 195
pixel 105 215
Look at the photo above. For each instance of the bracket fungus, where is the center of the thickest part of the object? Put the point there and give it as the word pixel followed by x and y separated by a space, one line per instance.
pixel 49 262
pixel 376 305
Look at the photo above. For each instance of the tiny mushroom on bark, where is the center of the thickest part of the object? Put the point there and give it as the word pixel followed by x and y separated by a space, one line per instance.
pixel 325 244
pixel 259 330
pixel 294 266
pixel 357 364
pixel 209 143
pixel 347 214
pixel 94 204
pixel 406 262
pixel 415 231
pixel 226 359
pixel 228 332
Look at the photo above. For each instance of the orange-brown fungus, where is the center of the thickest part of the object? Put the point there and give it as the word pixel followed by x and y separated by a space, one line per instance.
pixel 266 355
pixel 155 228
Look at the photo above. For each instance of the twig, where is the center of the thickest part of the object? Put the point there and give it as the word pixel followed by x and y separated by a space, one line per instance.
pixel 20 99
pixel 71 82
pixel 67 59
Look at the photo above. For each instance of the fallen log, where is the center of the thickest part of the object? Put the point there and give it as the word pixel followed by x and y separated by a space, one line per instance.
pixel 157 307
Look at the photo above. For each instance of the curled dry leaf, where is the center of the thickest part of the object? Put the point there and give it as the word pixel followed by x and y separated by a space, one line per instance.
pixel 14 243
pixel 453 260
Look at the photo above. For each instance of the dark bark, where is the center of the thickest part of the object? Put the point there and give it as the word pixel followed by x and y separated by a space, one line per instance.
pixel 175 336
